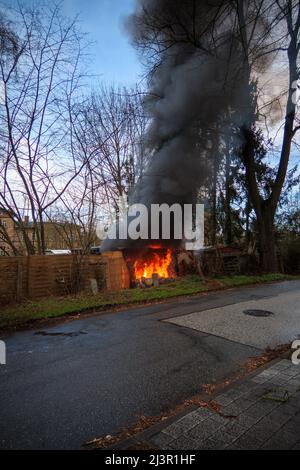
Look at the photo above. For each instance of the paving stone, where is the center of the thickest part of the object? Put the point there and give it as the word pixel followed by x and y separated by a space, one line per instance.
pixel 212 425
pixel 251 384
pixel 283 364
pixel 269 373
pixel 291 364
pixel 281 440
pixel 199 433
pixel 234 409
pixel 162 440
pixel 295 401
pixel 234 393
pixel 270 423
pixel 249 441
pixel 283 373
pixel 188 421
pixel 271 376
pixel 208 444
pixel 295 381
pixel 291 372
pixel 268 404
pixel 204 429
pixel 296 446
pixel 203 413
pixel 270 385
pixel 288 409
pixel 275 444
pixel 183 443
pixel 278 381
pixel 223 400
pixel 257 411
pixel 290 388
pixel 244 387
pixel 260 391
pixel 247 421
pixel 222 438
pixel 222 420
pixel 177 428
pixel 264 429
pixel 259 378
pixel 257 423
pixel 243 403
pixel 253 395
pixel 297 417
pixel 234 429
pixel 233 446
pixel 281 376
pixel 292 426
pixel 278 416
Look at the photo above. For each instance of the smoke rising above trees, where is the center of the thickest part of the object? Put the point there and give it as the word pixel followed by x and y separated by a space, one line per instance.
pixel 200 93
pixel 205 64
pixel 200 119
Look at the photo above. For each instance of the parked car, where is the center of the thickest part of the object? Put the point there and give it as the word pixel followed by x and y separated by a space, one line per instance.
pixel 58 252
pixel 95 250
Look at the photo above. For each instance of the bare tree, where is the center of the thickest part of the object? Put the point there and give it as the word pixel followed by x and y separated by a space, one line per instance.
pixel 107 133
pixel 115 124
pixel 73 222
pixel 286 16
pixel 39 81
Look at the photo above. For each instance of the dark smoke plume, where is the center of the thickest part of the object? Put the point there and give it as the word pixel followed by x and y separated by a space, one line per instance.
pixel 195 81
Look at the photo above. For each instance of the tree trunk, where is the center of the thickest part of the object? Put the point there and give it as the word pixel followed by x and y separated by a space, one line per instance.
pixel 215 150
pixel 228 225
pixel 267 250
pixel 265 212
pixel 265 209
pixel 214 209
pixel 248 210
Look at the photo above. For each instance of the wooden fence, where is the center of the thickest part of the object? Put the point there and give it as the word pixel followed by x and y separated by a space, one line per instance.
pixel 37 276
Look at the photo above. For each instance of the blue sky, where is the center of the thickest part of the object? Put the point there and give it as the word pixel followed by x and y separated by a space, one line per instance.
pixel 113 58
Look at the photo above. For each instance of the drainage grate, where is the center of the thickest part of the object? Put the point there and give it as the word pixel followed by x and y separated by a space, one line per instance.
pixel 258 313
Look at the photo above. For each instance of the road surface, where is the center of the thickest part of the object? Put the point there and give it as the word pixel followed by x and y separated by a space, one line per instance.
pixel 92 376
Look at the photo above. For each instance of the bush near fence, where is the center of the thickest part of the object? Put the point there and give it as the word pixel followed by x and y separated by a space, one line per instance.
pixel 32 277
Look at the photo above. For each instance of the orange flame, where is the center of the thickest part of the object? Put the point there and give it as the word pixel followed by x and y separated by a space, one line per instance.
pixel 158 263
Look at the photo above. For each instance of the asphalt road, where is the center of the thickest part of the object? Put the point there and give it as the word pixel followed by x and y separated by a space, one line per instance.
pixel 60 390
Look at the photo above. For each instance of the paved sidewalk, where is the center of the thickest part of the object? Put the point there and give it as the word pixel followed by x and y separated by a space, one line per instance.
pixel 261 412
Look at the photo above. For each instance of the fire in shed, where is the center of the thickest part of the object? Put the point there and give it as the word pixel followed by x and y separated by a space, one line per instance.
pixel 155 264
pixel 151 265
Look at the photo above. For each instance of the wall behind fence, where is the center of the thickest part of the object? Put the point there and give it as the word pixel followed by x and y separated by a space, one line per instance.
pixel 38 276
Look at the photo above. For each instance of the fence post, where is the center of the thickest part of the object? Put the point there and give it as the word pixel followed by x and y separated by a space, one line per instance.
pixel 19 279
pixel 28 284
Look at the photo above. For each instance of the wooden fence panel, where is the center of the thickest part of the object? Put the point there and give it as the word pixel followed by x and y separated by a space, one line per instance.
pixel 40 276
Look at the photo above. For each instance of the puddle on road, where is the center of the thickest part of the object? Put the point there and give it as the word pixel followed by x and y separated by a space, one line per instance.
pixel 60 333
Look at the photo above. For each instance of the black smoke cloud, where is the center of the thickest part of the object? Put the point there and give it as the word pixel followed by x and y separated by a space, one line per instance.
pixel 195 81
